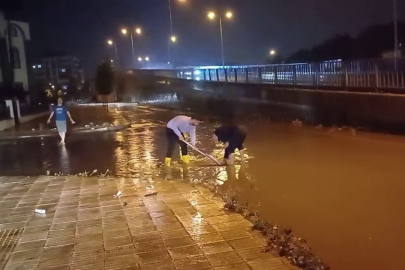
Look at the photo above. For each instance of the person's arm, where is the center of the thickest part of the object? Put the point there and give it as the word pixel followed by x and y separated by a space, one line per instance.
pixel 176 130
pixel 70 117
pixel 50 117
pixel 193 138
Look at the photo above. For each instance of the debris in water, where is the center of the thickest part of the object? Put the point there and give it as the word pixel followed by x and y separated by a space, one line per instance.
pixel 40 211
pixel 87 126
pixel 151 194
pixel 33 129
pixel 125 204
pixel 319 127
pixel 119 193
pixel 95 171
pixel 48 172
pixel 297 123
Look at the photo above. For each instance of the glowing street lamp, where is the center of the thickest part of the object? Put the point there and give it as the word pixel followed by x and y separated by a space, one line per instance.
pixel 138 31
pixel 173 39
pixel 211 15
pixel 272 52
pixel 140 59
pixel 147 59
pixel 110 42
pixel 171 27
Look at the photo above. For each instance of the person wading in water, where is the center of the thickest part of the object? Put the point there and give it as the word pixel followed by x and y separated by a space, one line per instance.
pixel 61 113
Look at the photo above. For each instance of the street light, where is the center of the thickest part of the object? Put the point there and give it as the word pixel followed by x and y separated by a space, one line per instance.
pixel 138 31
pixel 211 15
pixel 173 39
pixel 272 52
pixel 147 59
pixel 395 32
pixel 171 27
pixel 110 42
pixel 140 59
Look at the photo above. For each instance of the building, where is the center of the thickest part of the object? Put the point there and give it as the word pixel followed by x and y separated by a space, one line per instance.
pixel 58 71
pixel 13 64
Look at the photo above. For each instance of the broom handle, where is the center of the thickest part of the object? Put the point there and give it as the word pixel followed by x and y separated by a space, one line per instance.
pixel 202 153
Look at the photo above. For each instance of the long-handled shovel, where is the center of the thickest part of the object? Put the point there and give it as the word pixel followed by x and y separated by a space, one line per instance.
pixel 202 153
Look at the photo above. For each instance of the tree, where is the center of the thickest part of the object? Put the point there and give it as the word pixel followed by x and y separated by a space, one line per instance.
pixel 104 79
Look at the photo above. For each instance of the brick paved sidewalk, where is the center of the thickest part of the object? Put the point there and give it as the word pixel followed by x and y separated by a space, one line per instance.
pixel 85 227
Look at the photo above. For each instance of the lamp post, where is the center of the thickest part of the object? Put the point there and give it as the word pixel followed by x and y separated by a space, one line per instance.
pixel 138 31
pixel 228 15
pixel 110 42
pixel 395 32
pixel 173 38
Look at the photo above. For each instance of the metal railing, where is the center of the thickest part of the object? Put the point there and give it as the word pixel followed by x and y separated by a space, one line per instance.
pixel 376 74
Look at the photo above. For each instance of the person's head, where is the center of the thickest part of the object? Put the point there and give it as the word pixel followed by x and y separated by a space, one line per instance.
pixel 60 101
pixel 195 121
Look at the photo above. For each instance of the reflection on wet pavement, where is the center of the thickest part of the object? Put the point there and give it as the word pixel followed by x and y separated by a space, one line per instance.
pixel 343 193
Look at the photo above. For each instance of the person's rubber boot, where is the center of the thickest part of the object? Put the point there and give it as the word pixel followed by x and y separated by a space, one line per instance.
pixel 186 159
pixel 167 162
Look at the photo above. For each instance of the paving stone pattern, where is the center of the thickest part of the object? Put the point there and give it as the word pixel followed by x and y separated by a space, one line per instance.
pixel 85 227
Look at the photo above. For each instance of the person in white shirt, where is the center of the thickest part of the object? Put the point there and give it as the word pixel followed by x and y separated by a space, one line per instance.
pixel 175 130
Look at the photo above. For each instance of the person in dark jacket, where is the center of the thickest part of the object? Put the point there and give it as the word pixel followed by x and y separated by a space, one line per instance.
pixel 233 137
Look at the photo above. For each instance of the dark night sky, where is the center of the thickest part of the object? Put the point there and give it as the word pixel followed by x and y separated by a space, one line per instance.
pixel 81 27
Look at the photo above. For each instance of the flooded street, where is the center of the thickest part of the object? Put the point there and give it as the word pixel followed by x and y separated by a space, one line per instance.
pixel 344 193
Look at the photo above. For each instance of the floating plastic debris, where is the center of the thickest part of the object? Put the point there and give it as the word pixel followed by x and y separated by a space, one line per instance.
pixel 119 193
pixel 48 172
pixel 33 129
pixel 95 171
pixel 40 211
pixel 151 194
pixel 125 204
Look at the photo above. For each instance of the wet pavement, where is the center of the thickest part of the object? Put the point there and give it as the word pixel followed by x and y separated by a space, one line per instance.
pixel 342 191
pixel 85 226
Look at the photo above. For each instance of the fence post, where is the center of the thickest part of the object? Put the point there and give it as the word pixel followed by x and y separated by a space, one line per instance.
pixel 236 75
pixel 209 74
pixel 226 74
pixel 294 75
pixel 377 78
pixel 275 74
pixel 259 74
pixel 346 82
pixel 316 76
pixel 247 75
pixel 217 75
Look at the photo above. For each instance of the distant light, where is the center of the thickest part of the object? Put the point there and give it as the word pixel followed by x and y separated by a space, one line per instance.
pixel 229 15
pixel 33 66
pixel 63 70
pixel 39 66
pixel 272 52
pixel 140 59
pixel 173 38
pixel 146 58
pixel 138 31
pixel 211 15
pixel 50 83
pixel 112 60
pixel 168 63
pixel 110 42
pixel 124 31
pixel 198 78
pixel 64 87
pixel 197 72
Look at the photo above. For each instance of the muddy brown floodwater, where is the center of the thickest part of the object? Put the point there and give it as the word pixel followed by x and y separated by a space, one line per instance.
pixel 344 193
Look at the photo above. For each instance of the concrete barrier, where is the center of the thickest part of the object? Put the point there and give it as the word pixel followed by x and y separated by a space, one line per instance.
pixel 9 123
pixel 373 111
